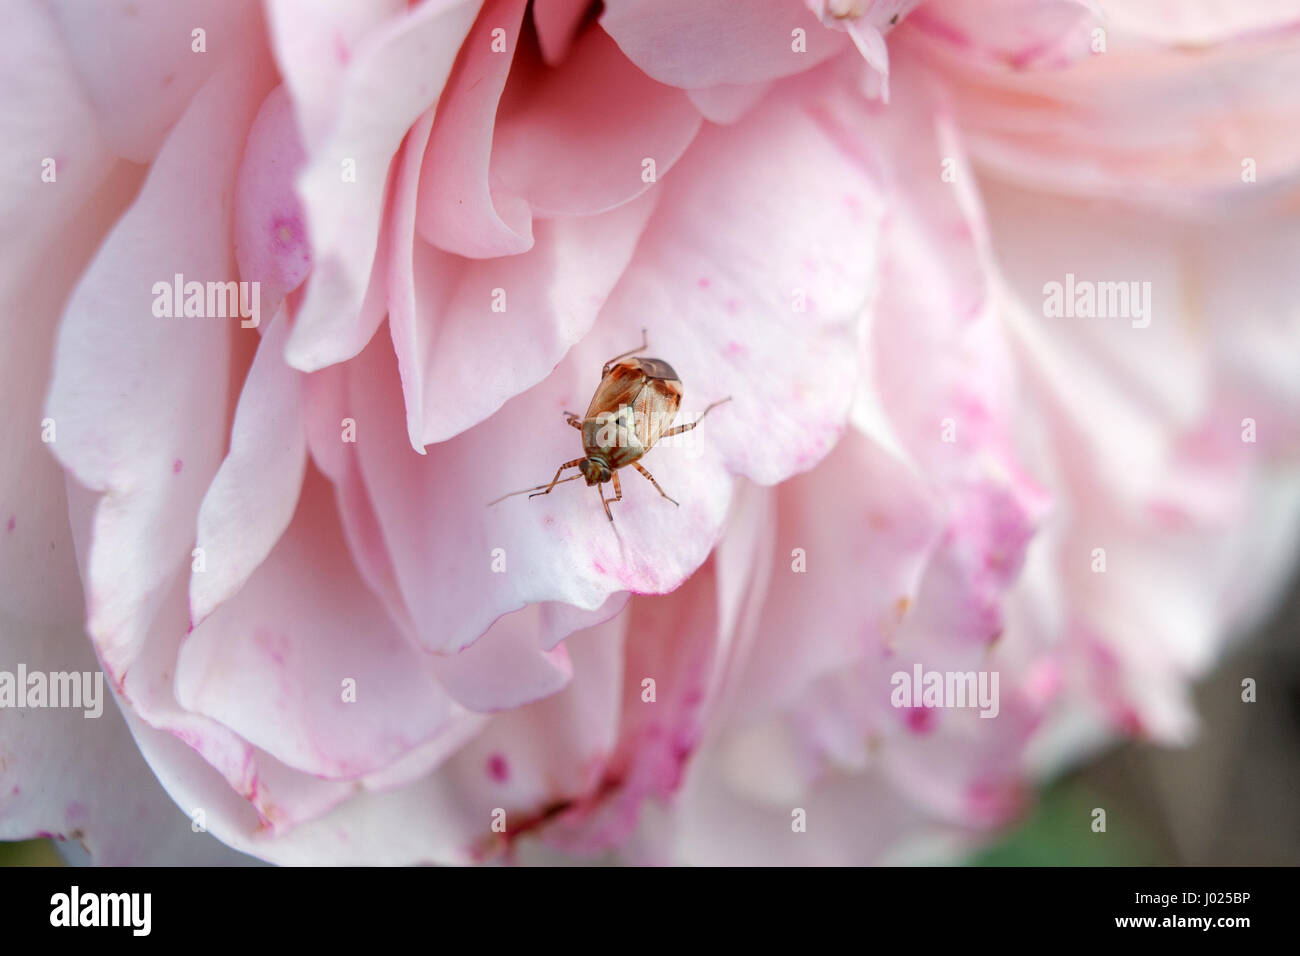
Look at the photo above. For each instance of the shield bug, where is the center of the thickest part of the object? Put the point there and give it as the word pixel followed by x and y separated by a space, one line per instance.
pixel 634 405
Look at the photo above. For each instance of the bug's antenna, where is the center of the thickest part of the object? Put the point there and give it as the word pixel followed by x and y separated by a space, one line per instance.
pixel 537 488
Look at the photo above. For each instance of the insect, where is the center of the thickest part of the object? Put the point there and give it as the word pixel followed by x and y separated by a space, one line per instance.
pixel 634 405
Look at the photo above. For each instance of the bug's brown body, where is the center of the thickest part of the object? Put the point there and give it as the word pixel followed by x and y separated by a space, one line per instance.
pixel 634 406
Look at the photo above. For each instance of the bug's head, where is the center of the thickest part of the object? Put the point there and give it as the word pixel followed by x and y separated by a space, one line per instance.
pixel 595 470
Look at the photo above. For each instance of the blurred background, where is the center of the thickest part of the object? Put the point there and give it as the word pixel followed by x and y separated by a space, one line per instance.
pixel 1231 798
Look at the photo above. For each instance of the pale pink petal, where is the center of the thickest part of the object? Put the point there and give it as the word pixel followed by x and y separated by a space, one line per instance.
pixel 871 44
pixel 558 621
pixel 548 758
pixel 328 414
pixel 767 228
pixel 273 663
pixel 444 817
pixel 1192 23
pixel 935 539
pixel 716 825
pixel 1250 253
pixel 1006 36
pixel 1120 395
pixel 1085 127
pixel 255 784
pixel 205 766
pixel 568 144
pixel 140 67
pixel 52 231
pixel 521 658
pixel 270 232
pixel 58 766
pixel 866 22
pixel 314 42
pixel 147 429
pixel 727 103
pixel 671 641
pixel 860 513
pixel 1149 441
pixel 700 43
pixel 744 559
pixel 255 491
pixel 506 667
pixel 460 208
pixel 1151 438
pixel 78 779
pixel 48 127
pixel 397 74
pixel 515 665
pixel 461 357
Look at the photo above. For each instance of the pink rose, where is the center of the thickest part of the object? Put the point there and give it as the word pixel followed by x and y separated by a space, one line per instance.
pixel 1003 293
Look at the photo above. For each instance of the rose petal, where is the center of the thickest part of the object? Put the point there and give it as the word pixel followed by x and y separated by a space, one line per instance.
pixel 273 663
pixel 727 103
pixel 315 41
pixel 1006 36
pixel 1202 22
pixel 1084 128
pixel 397 75
pixel 882 530
pixel 460 208
pixel 457 366
pixel 566 142
pixel 140 66
pixel 270 232
pixel 255 491
pixel 701 43
pixel 1151 397
pixel 152 448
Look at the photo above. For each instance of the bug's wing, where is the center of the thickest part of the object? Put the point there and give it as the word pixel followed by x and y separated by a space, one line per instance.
pixel 620 387
pixel 646 405
pixel 655 408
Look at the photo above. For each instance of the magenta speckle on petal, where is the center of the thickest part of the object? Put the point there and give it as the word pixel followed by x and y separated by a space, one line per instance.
pixel 287 232
pixel 12 523
pixel 176 466
pixel 919 720
pixel 704 282
pixel 498 769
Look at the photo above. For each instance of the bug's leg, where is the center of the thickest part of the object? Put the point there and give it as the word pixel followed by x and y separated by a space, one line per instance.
pixel 567 464
pixel 645 344
pixel 651 478
pixel 600 490
pixel 618 492
pixel 573 420
pixel 685 428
